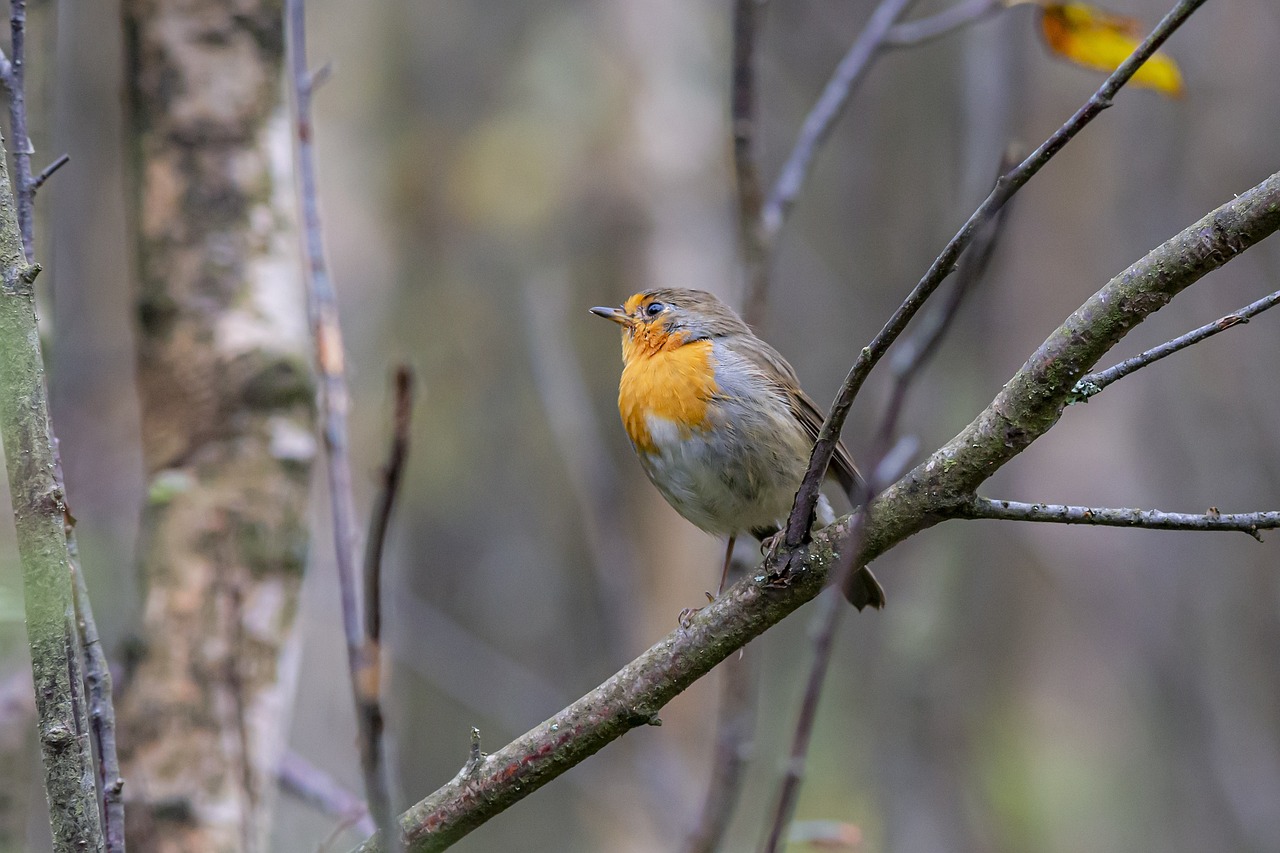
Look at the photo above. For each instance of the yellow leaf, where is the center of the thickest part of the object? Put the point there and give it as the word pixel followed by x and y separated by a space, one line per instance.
pixel 1101 40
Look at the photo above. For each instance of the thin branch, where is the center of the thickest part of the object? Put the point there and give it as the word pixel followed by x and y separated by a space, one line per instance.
pixel 1033 400
pixel 96 679
pixel 886 469
pixel 47 172
pixel 744 101
pixel 826 620
pixel 314 786
pixel 820 120
pixel 807 497
pixel 1094 382
pixel 916 351
pixel 924 30
pixel 380 518
pixel 735 731
pixel 1025 408
pixel 474 755
pixel 22 150
pixel 322 308
pixel 1149 519
pixel 102 715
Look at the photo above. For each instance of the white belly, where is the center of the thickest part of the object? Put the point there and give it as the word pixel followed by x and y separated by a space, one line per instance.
pixel 727 486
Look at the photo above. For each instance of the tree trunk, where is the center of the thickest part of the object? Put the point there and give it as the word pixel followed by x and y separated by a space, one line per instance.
pixel 227 420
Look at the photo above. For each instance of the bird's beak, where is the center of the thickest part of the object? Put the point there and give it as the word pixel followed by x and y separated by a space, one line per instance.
pixel 617 315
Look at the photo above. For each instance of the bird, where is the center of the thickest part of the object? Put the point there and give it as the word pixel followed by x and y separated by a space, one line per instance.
pixel 719 421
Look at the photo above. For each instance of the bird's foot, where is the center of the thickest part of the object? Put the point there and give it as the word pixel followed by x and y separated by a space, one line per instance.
pixel 777 573
pixel 685 619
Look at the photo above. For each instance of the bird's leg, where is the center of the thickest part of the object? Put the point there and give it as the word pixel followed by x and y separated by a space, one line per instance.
pixel 728 558
pixel 688 612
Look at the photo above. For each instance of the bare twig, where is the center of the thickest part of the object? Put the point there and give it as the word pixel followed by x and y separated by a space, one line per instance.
pixel 314 786
pixel 1094 382
pixel 735 731
pixel 334 400
pixel 102 715
pixel 96 674
pixel 831 607
pixel 15 81
pixel 924 30
pixel 47 172
pixel 380 519
pixel 818 123
pixel 916 351
pixel 807 497
pixel 744 100
pixel 1148 519
pixel 474 755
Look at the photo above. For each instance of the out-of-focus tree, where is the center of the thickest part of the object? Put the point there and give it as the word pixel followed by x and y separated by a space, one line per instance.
pixel 226 396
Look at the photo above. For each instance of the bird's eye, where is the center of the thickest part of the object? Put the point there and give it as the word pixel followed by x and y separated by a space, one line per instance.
pixel 653 309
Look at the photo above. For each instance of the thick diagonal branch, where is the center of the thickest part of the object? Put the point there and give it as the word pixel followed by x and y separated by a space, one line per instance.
pixel 1026 408
pixel 1033 400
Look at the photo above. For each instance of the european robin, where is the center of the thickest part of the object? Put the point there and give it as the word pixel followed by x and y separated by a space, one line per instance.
pixel 719 421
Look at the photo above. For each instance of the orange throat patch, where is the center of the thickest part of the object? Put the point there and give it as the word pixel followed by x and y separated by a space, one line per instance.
pixel 667 378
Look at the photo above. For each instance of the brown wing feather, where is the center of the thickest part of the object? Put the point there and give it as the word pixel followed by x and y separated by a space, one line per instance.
pixel 808 414
pixel 811 419
pixel 861 588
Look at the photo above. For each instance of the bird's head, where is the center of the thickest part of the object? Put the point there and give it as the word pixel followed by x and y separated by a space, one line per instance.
pixel 657 320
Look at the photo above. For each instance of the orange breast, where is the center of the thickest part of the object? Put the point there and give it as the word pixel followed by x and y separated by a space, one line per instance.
pixel 675 383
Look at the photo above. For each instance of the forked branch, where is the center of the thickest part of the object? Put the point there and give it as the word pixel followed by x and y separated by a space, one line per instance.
pixel 1095 382
pixel 322 308
pixel 798 524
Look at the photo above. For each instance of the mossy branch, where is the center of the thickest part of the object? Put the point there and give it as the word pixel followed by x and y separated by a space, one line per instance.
pixel 38 509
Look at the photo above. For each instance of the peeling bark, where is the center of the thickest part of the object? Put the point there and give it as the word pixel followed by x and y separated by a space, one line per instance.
pixel 227 399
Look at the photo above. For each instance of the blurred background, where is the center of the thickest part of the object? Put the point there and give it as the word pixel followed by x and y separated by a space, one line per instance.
pixel 490 171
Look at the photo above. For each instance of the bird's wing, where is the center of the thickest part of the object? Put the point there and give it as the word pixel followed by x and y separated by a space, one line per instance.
pixel 811 419
pixel 771 362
